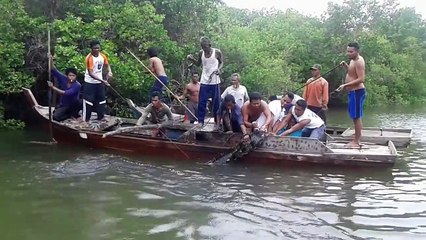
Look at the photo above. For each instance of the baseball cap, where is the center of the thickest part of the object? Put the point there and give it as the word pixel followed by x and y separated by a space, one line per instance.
pixel 316 67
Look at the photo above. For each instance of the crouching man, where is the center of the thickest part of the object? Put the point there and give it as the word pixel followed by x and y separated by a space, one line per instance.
pixel 159 111
pixel 229 115
pixel 312 126
pixel 256 113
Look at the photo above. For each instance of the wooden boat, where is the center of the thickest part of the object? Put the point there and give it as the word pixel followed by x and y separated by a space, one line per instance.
pixel 186 141
pixel 400 137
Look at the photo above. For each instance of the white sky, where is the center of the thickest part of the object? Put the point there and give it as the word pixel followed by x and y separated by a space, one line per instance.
pixel 311 7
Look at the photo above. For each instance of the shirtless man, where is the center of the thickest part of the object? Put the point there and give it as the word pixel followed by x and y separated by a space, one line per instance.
pixel 354 84
pixel 156 67
pixel 192 90
pixel 256 113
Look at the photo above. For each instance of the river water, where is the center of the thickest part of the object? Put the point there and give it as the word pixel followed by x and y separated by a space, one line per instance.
pixel 57 192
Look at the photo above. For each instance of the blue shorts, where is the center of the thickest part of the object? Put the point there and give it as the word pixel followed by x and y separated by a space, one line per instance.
pixel 356 99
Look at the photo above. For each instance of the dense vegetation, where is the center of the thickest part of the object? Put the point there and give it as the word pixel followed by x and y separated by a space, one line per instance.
pixel 272 50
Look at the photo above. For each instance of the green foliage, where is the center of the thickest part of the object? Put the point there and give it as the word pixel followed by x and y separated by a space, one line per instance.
pixel 13 76
pixel 272 50
pixel 9 124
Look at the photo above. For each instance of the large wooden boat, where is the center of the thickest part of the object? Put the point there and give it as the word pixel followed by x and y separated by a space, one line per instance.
pixel 186 141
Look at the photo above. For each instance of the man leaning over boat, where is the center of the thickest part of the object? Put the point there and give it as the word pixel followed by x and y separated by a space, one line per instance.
pixel 312 126
pixel 156 112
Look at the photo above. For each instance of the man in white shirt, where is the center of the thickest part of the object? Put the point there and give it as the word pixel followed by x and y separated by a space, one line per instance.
pixel 312 126
pixel 237 90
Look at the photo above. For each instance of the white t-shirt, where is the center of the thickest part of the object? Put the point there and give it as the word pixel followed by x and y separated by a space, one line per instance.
pixel 276 110
pixel 316 121
pixel 210 65
pixel 96 64
pixel 240 94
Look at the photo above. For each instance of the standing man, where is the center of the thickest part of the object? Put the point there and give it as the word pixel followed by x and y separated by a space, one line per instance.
pixel 94 87
pixel 237 90
pixel 256 113
pixel 192 90
pixel 316 92
pixel 211 60
pixel 69 89
pixel 354 84
pixel 156 67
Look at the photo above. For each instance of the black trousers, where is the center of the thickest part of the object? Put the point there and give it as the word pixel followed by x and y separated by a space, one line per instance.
pixel 94 99
pixel 64 112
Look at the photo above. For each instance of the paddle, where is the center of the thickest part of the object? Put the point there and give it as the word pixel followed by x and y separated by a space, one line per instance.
pixel 50 93
pixel 243 148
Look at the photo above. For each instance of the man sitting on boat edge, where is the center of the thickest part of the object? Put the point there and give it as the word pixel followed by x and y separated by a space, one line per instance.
pixel 312 126
pixel 159 113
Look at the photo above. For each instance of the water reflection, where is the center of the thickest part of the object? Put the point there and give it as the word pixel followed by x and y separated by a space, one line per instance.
pixel 84 194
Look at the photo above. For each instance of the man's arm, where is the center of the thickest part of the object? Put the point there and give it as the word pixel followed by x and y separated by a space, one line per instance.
pixel 142 119
pixel 297 126
pixel 224 93
pixel 219 57
pixel 268 115
pixel 344 65
pixel 59 91
pixel 185 92
pixel 151 65
pixel 197 61
pixel 62 79
pixel 246 117
pixel 325 97
pixel 90 67
pixel 168 112
pixel 281 124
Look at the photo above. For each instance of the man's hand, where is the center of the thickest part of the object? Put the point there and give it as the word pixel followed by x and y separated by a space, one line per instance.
pixel 264 128
pixel 246 138
pixel 106 83
pixel 109 74
pixel 50 84
pixel 190 57
pixel 254 124
pixel 343 64
pixel 340 88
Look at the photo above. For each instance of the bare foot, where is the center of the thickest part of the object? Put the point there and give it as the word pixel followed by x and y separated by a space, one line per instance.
pixel 353 144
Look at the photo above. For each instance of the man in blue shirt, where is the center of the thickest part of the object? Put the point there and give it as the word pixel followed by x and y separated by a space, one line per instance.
pixel 229 114
pixel 69 89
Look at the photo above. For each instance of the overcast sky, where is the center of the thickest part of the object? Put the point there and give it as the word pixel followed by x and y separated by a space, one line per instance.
pixel 311 7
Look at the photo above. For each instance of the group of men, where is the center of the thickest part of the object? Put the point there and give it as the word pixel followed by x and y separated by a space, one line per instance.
pixel 94 98
pixel 234 110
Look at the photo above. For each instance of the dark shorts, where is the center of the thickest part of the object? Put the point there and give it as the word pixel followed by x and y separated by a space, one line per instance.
pixel 356 101
pixel 193 107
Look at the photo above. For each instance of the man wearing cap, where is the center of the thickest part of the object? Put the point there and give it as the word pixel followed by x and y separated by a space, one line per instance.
pixel 316 92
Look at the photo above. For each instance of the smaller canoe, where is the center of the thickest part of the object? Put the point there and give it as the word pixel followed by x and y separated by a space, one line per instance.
pixel 400 137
